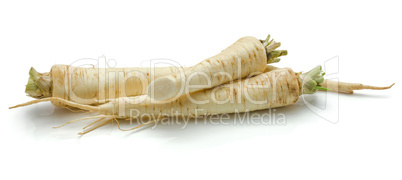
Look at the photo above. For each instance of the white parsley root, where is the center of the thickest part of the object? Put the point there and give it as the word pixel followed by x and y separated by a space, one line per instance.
pixel 246 56
pixel 97 85
pixel 279 87
pixel 274 88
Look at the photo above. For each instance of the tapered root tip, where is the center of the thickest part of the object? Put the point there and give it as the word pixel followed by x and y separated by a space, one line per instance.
pixel 23 104
pixel 390 86
pixel 377 88
pixel 63 101
pixel 16 106
pixel 33 102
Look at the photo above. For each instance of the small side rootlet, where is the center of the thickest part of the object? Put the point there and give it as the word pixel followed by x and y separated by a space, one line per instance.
pixel 313 80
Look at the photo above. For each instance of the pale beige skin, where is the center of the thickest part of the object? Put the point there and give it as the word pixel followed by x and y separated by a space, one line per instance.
pixel 97 86
pixel 245 56
pixel 278 87
pixel 228 91
pixel 85 82
pixel 92 85
pixel 347 88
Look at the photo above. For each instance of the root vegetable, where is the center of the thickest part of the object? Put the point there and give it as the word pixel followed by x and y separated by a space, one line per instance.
pixel 96 86
pixel 344 87
pixel 92 85
pixel 276 88
pixel 279 87
pixel 246 56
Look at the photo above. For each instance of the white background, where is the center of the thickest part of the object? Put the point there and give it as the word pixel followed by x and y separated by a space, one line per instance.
pixel 364 144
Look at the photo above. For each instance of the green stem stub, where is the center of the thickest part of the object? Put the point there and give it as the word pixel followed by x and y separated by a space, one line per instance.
pixel 312 79
pixel 38 85
pixel 270 48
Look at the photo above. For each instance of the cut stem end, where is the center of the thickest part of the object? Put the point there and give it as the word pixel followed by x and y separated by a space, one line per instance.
pixel 270 48
pixel 311 81
pixel 38 85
